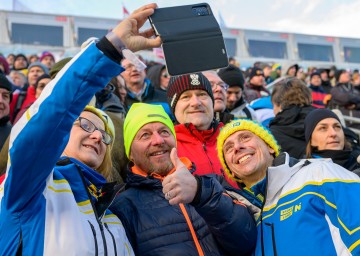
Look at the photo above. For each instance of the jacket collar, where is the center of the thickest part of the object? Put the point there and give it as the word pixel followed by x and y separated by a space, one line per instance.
pixel 137 171
pixel 284 167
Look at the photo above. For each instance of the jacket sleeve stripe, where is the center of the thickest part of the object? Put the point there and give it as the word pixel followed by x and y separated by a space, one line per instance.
pixel 315 183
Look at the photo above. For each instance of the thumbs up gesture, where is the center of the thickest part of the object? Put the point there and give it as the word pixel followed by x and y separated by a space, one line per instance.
pixel 181 185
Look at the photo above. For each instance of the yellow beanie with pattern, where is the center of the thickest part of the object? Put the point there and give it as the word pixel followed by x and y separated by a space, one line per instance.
pixel 244 125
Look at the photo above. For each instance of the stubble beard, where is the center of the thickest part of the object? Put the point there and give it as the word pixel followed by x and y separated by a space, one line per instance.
pixel 161 168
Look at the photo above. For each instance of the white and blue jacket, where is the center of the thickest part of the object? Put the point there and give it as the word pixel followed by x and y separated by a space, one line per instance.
pixel 47 209
pixel 311 208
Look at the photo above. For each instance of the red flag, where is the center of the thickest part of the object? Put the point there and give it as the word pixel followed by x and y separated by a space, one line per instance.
pixel 125 12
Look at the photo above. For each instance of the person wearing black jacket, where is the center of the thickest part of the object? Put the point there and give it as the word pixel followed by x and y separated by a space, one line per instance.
pixel 325 138
pixel 292 102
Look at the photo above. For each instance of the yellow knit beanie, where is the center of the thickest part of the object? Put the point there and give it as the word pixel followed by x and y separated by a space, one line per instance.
pixel 241 125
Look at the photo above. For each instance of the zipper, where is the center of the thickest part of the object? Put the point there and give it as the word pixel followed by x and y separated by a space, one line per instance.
pixel 94 209
pixel 192 231
pixel 95 240
pixel 207 156
pixel 112 236
pixel 261 216
pixel 273 237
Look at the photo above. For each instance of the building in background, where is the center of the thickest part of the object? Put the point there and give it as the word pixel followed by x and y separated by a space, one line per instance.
pixel 29 33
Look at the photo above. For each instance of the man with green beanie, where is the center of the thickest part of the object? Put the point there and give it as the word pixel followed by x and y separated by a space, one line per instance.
pixel 166 210
pixel 301 207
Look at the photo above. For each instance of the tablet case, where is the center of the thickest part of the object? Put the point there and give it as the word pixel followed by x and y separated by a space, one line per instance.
pixel 192 38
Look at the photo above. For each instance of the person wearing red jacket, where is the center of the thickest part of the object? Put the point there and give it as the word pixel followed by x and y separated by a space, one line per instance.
pixel 191 101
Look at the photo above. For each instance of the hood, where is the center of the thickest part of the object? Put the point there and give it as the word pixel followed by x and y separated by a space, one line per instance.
pixel 291 121
pixel 153 73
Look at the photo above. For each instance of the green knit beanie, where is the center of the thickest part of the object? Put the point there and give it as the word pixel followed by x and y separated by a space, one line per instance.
pixel 141 114
pixel 58 66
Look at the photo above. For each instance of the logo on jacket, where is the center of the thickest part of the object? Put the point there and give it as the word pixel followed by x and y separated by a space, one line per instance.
pixel 194 79
pixel 287 213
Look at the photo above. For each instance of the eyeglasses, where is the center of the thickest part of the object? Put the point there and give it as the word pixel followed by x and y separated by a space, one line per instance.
pixel 129 66
pixel 89 127
pixel 220 84
pixel 165 75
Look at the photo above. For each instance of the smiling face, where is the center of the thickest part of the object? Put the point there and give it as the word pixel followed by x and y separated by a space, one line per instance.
pixel 196 107
pixel 87 147
pixel 247 156
pixel 328 134
pixel 151 147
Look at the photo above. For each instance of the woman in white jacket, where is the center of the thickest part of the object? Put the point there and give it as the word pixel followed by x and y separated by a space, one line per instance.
pixel 54 199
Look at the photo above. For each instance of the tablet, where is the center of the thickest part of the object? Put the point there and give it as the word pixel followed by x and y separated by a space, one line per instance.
pixel 192 40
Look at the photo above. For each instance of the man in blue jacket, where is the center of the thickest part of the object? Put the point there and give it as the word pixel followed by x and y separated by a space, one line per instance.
pixel 166 210
pixel 302 207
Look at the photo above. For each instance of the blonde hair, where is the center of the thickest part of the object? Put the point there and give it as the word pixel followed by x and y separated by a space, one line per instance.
pixel 105 169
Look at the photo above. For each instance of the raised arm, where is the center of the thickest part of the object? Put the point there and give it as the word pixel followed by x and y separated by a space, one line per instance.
pixel 40 136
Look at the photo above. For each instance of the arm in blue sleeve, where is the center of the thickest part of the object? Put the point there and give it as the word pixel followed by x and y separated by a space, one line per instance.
pixel 39 138
pixel 342 204
pixel 230 222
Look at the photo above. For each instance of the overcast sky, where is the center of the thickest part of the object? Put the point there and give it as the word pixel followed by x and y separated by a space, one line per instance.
pixel 317 17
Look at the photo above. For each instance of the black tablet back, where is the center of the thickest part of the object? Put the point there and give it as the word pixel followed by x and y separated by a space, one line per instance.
pixel 192 39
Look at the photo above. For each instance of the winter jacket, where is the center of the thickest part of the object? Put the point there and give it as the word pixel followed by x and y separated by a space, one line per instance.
pixel 243 110
pixel 264 110
pixel 326 85
pixel 150 96
pixel 318 95
pixel 200 148
pixel 311 208
pixel 21 100
pixel 215 225
pixel 49 209
pixel 343 95
pixel 224 117
pixel 253 92
pixel 344 158
pixel 288 129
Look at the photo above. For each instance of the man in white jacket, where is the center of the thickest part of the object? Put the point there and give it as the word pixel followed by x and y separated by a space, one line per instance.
pixel 302 207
